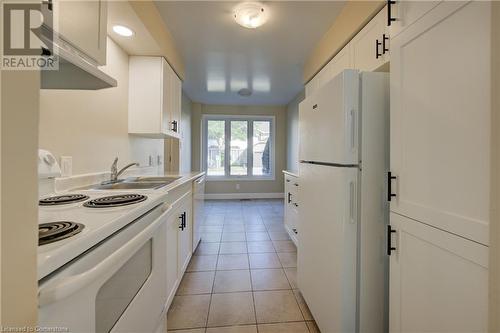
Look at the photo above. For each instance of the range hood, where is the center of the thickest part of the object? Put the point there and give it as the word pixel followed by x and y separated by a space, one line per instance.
pixel 75 73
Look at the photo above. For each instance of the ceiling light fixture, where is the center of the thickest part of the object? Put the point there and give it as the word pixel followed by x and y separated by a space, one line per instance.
pixel 250 14
pixel 123 30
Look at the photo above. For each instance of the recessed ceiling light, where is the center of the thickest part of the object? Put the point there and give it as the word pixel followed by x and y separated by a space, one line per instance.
pixel 123 30
pixel 250 14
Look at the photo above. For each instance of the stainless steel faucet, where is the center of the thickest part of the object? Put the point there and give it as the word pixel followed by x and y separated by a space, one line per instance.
pixel 114 170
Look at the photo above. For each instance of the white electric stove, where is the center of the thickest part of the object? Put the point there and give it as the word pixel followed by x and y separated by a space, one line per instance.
pixel 94 223
pixel 101 267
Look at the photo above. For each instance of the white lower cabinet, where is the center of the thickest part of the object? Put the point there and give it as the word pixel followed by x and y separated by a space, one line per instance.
pixel 178 243
pixel 172 266
pixel 185 233
pixel 291 214
pixel 438 281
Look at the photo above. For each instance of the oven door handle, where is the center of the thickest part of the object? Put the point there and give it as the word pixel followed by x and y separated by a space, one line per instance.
pixel 67 286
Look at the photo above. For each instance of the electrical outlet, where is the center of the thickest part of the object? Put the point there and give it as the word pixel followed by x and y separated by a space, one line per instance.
pixel 237 186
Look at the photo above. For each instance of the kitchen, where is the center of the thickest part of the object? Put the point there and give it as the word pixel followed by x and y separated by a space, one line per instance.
pixel 220 238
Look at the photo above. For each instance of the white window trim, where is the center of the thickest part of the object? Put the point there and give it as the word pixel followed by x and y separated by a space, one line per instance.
pixel 204 123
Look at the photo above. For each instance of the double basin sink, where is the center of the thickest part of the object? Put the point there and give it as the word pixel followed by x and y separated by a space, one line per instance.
pixel 136 183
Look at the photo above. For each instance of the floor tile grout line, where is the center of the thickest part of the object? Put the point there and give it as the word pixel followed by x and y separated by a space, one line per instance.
pixel 253 296
pixel 211 294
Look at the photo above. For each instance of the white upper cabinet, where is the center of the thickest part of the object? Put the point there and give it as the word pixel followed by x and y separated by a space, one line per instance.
pixel 83 24
pixel 154 98
pixel 404 13
pixel 340 62
pixel 439 281
pixel 370 47
pixel 440 119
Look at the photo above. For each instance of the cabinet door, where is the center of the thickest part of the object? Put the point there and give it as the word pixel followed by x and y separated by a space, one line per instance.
pixel 167 107
pixel 365 47
pixel 83 24
pixel 185 235
pixel 172 266
pixel 440 119
pixel 178 102
pixel 311 86
pixel 408 12
pixel 340 62
pixel 438 281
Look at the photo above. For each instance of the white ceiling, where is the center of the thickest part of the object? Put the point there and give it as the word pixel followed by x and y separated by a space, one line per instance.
pixel 221 57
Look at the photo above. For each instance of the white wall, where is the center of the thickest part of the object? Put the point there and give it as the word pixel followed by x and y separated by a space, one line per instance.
pixel 92 126
pixel 292 133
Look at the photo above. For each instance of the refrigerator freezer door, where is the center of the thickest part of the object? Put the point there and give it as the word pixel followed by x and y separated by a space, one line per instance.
pixel 329 121
pixel 328 245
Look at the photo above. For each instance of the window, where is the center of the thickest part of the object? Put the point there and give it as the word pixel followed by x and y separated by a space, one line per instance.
pixel 237 147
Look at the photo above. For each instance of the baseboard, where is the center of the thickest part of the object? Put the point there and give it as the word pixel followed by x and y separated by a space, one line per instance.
pixel 228 196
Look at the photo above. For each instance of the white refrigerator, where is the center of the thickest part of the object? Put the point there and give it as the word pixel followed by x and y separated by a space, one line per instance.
pixel 344 159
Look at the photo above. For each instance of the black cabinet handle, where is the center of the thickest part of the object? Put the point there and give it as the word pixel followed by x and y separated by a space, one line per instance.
pixel 385 39
pixel 377 53
pixel 296 184
pixel 389 240
pixel 289 197
pixel 184 219
pixel 296 204
pixel 295 230
pixel 390 19
pixel 288 180
pixel 174 125
pixel 390 178
pixel 181 226
pixel 315 106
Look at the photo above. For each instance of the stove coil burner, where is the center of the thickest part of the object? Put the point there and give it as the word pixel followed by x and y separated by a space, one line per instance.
pixel 62 199
pixel 55 231
pixel 115 201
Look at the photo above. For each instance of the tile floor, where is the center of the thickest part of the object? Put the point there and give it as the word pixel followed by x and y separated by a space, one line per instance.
pixel 242 277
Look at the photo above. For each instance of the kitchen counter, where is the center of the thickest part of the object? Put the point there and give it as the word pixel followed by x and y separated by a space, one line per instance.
pixel 290 173
pixel 100 223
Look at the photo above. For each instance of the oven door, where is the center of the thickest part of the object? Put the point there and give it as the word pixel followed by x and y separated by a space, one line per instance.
pixel 118 286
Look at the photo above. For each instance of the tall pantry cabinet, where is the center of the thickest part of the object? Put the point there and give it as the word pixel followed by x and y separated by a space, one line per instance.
pixel 440 167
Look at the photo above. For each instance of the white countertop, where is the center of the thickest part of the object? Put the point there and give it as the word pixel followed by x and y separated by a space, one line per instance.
pixel 290 173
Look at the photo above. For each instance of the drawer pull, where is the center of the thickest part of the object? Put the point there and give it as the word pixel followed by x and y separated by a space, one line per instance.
pixel 377 53
pixel 390 178
pixel 390 248
pixel 385 39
